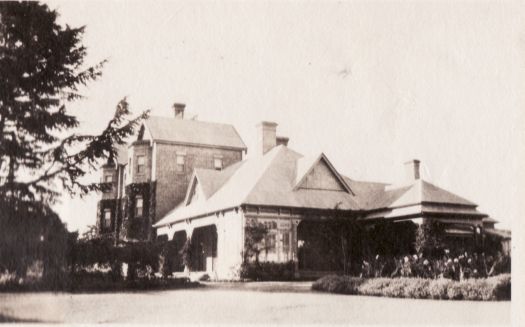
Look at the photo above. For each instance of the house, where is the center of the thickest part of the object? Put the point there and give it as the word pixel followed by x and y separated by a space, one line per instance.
pixel 295 197
pixel 150 176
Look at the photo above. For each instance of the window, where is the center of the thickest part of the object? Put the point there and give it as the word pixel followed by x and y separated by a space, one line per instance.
pixel 138 206
pixel 141 164
pixel 107 218
pixel 217 163
pixel 270 242
pixel 286 242
pixel 180 163
pixel 108 179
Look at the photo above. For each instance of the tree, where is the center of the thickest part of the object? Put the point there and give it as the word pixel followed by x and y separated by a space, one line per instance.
pixel 255 233
pixel 430 238
pixel 42 69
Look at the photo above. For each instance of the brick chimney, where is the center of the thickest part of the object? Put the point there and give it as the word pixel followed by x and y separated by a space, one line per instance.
pixel 178 109
pixel 282 140
pixel 266 136
pixel 412 170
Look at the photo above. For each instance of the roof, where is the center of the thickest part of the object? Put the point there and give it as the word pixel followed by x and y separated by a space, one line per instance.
pixel 504 234
pixel 273 179
pixel 419 198
pixel 193 132
pixel 490 220
pixel 268 180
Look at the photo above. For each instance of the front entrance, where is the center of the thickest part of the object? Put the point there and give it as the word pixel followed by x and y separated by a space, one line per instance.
pixel 330 245
pixel 204 248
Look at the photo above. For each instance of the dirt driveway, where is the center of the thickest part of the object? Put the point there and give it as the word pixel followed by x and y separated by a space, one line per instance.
pixel 244 303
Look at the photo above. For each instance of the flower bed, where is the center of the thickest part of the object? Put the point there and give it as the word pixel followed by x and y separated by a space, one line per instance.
pixel 482 289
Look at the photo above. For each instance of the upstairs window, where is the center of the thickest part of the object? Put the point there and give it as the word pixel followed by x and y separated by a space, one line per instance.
pixel 108 179
pixel 141 164
pixel 139 203
pixel 217 163
pixel 107 218
pixel 180 163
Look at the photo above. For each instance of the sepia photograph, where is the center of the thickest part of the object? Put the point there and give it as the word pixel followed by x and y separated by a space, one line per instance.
pixel 261 162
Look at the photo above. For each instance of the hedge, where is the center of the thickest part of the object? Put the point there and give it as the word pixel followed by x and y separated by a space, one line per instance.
pixel 482 289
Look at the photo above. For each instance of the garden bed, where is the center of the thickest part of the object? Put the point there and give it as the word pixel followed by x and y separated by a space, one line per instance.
pixel 483 289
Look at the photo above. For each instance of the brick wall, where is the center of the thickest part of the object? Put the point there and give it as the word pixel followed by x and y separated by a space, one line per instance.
pixel 172 185
pixel 139 148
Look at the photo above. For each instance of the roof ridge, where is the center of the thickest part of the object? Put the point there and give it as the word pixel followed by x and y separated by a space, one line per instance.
pixel 187 120
pixel 277 149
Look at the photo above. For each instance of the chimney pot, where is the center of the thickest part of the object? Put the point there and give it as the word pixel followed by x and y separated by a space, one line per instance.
pixel 412 170
pixel 266 136
pixel 178 109
pixel 282 140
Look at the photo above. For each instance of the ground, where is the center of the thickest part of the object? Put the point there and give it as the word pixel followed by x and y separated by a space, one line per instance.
pixel 244 303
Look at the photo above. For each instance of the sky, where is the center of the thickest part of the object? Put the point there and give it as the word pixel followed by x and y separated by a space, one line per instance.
pixel 370 84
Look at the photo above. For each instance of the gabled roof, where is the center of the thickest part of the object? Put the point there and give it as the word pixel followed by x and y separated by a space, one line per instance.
pixel 193 132
pixel 305 166
pixel 265 181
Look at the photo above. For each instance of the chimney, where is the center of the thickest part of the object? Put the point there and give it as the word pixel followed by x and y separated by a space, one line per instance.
pixel 266 136
pixel 412 170
pixel 178 108
pixel 282 140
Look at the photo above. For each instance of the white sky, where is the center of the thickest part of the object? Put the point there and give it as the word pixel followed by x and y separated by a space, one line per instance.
pixel 370 84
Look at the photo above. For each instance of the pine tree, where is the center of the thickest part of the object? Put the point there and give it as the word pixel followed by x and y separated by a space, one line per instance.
pixel 42 70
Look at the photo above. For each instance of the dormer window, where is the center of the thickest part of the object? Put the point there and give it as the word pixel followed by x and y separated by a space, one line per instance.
pixel 217 163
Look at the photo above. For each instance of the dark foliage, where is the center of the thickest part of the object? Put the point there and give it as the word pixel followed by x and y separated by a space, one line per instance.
pixel 265 271
pixel 139 228
pixel 335 244
pixel 42 69
pixel 33 234
pixel 254 234
pixel 430 238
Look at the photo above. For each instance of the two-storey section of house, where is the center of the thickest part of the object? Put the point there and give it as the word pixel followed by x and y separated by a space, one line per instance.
pixel 159 165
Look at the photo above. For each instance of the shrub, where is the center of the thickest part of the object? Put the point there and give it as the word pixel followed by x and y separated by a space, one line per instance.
pixel 374 286
pixel 268 270
pixel 438 288
pixel 488 289
pixel 417 288
pixel 338 284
